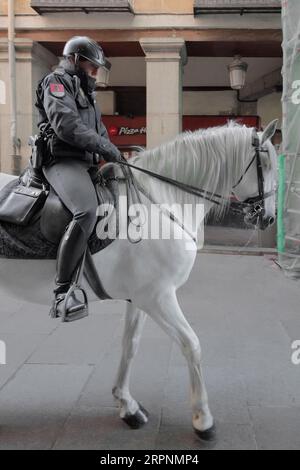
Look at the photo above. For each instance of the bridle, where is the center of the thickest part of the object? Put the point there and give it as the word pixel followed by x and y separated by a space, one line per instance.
pixel 255 205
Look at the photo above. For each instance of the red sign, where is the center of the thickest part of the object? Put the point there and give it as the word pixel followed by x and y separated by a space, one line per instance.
pixel 113 131
pixel 123 130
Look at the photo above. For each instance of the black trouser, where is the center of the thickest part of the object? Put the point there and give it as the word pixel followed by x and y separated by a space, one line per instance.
pixel 72 182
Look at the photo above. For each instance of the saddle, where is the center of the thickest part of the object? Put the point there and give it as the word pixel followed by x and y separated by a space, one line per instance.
pixel 55 216
pixel 40 237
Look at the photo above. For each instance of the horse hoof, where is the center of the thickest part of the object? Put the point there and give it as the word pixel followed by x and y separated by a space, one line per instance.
pixel 207 435
pixel 139 419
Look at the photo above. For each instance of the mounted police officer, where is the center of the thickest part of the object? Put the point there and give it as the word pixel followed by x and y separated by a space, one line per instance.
pixel 68 115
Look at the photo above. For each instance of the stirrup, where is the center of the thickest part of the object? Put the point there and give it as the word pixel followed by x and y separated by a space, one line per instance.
pixel 77 314
pixel 63 313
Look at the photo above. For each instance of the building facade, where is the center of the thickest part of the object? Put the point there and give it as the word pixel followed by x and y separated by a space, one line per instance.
pixel 169 64
pixel 169 59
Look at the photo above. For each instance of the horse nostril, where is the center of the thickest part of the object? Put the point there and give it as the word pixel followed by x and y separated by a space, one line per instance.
pixel 271 220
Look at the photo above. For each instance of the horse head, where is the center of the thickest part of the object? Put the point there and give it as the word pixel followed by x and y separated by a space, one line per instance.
pixel 256 188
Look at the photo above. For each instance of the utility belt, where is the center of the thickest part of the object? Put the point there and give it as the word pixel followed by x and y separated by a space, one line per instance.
pixel 47 148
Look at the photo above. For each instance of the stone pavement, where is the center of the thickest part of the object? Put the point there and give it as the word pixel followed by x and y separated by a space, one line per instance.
pixel 55 391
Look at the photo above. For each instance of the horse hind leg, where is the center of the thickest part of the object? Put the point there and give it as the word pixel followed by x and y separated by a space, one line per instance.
pixel 132 412
pixel 165 310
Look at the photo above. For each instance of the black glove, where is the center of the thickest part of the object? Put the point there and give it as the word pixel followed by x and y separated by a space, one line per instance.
pixel 113 156
pixel 122 158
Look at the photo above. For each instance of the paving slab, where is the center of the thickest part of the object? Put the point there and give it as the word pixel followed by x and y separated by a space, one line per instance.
pixel 228 437
pixel 19 347
pixel 276 428
pixel 29 318
pixel 91 428
pixel 35 404
pixel 148 376
pixel 80 342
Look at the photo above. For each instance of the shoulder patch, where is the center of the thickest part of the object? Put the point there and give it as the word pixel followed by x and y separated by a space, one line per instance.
pixel 57 89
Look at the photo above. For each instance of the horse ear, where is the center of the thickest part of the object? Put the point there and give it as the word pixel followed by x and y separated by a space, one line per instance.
pixel 269 131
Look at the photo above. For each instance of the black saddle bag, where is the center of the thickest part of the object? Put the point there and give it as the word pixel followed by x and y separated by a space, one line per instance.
pixel 22 204
pixel 29 194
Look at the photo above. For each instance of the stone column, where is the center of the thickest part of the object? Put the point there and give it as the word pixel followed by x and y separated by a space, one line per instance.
pixel 32 62
pixel 165 58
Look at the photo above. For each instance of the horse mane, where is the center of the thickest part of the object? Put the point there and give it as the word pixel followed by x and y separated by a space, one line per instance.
pixel 211 159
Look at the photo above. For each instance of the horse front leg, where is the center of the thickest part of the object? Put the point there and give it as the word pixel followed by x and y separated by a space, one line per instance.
pixel 165 310
pixel 131 411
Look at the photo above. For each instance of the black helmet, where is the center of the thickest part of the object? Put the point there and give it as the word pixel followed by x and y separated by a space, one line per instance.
pixel 83 46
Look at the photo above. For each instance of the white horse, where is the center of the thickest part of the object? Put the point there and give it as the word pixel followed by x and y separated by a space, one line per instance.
pixel 150 272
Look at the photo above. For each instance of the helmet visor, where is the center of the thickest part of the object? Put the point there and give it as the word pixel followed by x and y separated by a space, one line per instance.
pixel 102 77
pixel 97 61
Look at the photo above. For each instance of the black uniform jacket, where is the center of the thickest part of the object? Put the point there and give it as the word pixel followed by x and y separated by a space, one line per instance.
pixel 73 118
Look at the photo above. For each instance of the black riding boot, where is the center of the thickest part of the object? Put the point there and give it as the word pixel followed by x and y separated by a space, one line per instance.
pixel 70 254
